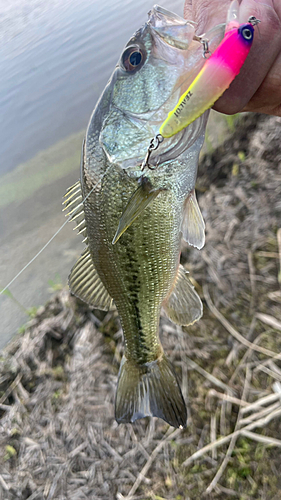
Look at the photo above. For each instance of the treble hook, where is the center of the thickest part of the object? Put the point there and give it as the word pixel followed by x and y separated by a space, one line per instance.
pixel 154 144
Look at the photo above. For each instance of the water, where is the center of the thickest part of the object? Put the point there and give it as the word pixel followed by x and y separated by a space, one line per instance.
pixel 55 59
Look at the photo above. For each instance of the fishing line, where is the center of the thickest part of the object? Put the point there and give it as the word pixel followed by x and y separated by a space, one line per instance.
pixel 70 217
pixel 94 187
pixel 54 235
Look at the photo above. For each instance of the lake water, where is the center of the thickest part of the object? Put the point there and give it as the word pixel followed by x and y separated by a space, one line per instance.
pixel 55 59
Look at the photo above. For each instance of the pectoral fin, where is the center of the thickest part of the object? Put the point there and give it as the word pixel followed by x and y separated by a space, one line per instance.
pixel 193 226
pixel 141 198
pixel 85 283
pixel 183 306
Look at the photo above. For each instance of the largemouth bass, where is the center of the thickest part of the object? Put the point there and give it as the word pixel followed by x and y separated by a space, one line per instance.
pixel 133 221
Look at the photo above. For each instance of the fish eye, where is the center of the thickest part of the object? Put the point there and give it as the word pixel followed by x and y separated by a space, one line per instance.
pixel 132 58
pixel 247 33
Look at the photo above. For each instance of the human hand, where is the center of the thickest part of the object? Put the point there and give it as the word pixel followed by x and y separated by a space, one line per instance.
pixel 258 86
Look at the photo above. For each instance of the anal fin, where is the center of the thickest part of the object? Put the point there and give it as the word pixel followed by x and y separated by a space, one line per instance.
pixel 85 283
pixel 183 305
pixel 141 198
pixel 193 226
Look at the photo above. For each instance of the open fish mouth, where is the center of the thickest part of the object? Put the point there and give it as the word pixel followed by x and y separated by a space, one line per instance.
pixel 173 29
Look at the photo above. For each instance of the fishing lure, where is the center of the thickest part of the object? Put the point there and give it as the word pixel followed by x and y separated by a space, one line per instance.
pixel 215 77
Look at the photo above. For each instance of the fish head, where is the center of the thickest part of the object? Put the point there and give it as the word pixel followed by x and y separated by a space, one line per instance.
pixel 156 66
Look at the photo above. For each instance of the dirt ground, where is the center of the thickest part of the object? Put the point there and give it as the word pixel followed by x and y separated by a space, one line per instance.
pixel 58 436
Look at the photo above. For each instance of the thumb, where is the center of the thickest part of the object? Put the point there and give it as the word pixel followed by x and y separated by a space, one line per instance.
pixel 206 13
pixel 188 10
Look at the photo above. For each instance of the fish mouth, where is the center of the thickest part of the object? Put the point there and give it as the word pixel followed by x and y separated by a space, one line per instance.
pixel 172 36
pixel 173 29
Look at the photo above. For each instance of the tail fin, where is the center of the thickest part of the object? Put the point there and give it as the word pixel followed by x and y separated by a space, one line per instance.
pixel 149 390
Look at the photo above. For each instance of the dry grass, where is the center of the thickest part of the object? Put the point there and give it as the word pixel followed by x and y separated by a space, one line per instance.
pixel 58 437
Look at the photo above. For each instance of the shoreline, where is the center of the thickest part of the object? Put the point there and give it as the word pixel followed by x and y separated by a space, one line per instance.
pixel 31 212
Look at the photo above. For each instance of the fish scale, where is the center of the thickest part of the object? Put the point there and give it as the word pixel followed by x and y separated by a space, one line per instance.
pixel 141 277
pixel 135 220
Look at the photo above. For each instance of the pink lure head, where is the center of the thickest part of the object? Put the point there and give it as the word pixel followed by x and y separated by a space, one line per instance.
pixel 234 48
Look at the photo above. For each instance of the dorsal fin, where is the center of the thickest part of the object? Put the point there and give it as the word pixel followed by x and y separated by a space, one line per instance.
pixel 141 198
pixel 85 283
pixel 74 205
pixel 193 226
pixel 183 306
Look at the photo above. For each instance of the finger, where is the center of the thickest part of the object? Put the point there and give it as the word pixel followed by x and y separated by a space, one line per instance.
pixel 188 10
pixel 267 99
pixel 263 54
pixel 209 13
